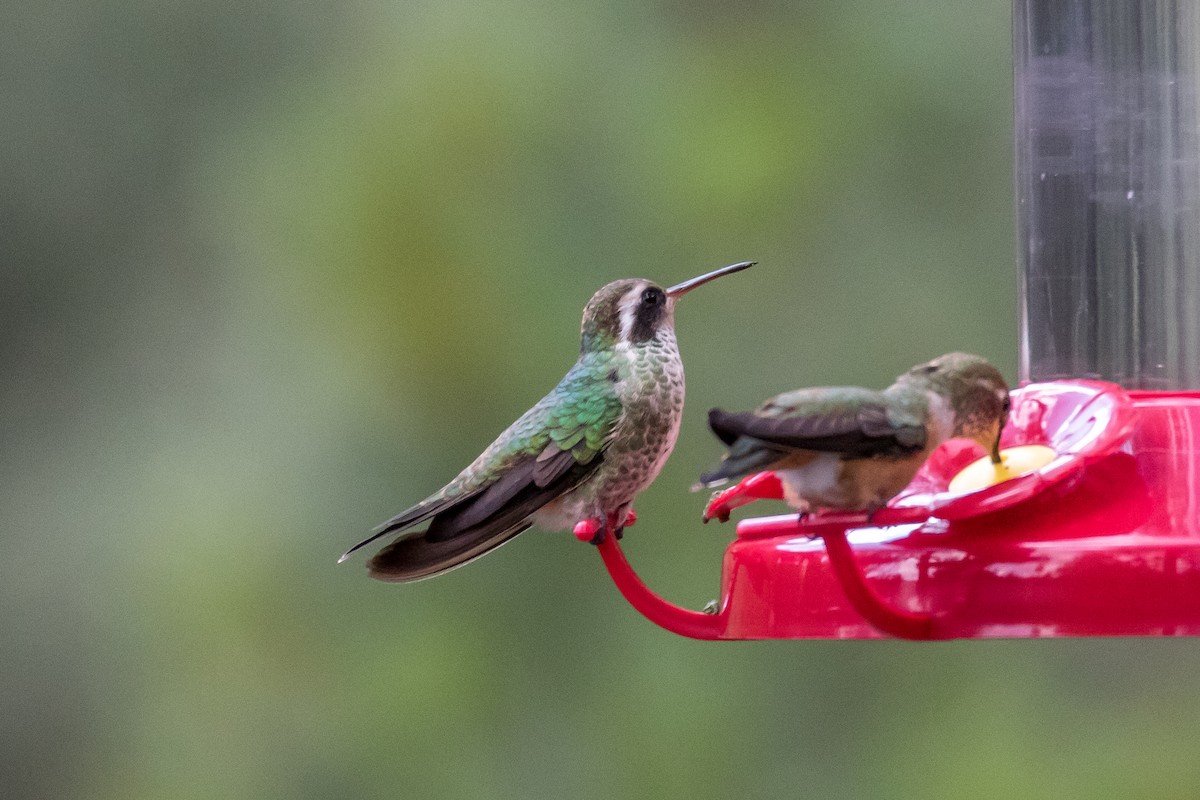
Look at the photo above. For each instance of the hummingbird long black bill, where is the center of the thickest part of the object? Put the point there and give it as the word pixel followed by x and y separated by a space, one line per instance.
pixel 996 452
pixel 680 289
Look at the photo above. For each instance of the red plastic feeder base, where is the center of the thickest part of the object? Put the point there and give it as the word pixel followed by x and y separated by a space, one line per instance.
pixel 1102 541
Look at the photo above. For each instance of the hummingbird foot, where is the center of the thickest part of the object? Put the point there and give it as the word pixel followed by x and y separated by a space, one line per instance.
pixel 593 529
pixel 801 517
pixel 630 519
pixel 717 508
pixel 618 529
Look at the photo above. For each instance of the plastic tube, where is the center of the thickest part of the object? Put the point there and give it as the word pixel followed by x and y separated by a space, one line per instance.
pixel 1107 135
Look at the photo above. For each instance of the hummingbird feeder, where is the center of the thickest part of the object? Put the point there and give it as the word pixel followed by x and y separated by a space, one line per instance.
pixel 1100 534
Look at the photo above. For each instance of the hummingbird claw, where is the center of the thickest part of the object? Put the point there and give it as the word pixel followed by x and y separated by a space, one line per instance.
pixel 723 502
pixel 719 514
pixel 593 529
pixel 717 508
pixel 760 486
pixel 619 528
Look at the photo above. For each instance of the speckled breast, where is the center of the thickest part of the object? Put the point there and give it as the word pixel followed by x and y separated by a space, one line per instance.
pixel 652 390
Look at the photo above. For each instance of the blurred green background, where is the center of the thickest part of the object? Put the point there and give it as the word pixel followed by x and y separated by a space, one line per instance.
pixel 270 272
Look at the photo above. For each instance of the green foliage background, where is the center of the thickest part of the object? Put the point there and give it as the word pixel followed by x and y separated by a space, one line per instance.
pixel 270 272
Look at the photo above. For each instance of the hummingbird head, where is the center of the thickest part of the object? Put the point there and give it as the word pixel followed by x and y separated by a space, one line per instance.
pixel 634 310
pixel 976 392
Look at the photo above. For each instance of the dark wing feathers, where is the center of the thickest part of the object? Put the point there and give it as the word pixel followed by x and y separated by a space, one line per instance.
pixel 852 423
pixel 547 452
pixel 745 457
pixel 874 423
pixel 483 523
pixel 413 557
pixel 414 516
pixel 553 463
pixel 541 473
pixel 487 502
pixel 718 423
pixel 453 513
pixel 861 433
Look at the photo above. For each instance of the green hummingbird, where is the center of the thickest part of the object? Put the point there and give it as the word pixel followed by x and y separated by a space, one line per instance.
pixel 580 455
pixel 853 449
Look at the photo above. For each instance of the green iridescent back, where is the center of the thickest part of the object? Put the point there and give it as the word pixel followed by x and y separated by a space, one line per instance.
pixel 578 415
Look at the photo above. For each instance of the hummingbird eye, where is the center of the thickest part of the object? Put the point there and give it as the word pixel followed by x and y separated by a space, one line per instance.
pixel 653 296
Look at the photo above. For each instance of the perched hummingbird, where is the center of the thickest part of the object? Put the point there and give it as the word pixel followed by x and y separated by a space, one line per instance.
pixel 852 449
pixel 580 455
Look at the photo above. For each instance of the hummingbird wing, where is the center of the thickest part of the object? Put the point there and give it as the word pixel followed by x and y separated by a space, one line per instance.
pixel 549 451
pixel 471 529
pixel 849 421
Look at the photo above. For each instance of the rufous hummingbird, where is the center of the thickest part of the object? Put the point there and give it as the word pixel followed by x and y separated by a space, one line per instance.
pixel 853 449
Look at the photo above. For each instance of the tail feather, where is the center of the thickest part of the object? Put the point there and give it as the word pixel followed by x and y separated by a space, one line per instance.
pixel 745 457
pixel 410 517
pixel 466 528
pixel 470 517
pixel 456 537
pixel 415 557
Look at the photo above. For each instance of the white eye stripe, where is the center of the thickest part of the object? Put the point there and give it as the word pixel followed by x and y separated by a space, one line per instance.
pixel 629 306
